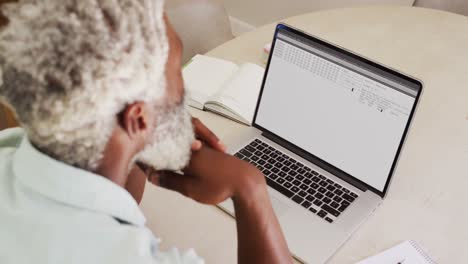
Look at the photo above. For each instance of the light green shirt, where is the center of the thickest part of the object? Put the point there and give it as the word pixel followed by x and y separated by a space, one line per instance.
pixel 51 212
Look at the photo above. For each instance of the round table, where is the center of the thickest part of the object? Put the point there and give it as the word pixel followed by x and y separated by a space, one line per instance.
pixel 427 199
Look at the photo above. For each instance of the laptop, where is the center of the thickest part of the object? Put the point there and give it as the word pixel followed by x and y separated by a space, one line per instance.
pixel 328 129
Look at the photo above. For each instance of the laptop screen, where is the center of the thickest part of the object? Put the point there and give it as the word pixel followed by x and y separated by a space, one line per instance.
pixel 344 111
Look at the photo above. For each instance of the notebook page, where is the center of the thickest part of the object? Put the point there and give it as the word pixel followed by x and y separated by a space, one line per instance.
pixel 408 252
pixel 240 93
pixel 204 76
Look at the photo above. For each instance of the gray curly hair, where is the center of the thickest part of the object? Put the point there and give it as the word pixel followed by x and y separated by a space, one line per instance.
pixel 67 67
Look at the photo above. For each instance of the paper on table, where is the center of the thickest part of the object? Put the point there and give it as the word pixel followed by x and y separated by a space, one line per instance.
pixel 408 252
pixel 204 76
pixel 240 95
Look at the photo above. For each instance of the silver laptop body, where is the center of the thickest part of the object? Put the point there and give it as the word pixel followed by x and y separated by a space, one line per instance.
pixel 328 129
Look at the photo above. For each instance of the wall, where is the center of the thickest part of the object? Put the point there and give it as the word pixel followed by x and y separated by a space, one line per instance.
pixel 259 12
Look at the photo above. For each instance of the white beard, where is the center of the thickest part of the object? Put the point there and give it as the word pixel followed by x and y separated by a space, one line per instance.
pixel 170 147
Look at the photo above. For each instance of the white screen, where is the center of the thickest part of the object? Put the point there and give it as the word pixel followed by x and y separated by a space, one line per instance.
pixel 337 114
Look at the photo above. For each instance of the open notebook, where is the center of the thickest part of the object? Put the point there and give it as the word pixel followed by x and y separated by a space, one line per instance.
pixel 223 87
pixel 408 252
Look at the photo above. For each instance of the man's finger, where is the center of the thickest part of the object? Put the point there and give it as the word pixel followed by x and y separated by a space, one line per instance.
pixel 205 134
pixel 196 145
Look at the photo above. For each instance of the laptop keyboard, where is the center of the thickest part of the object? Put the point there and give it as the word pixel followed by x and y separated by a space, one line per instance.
pixel 313 191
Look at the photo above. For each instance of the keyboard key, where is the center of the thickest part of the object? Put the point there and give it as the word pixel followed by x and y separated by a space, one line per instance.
pixel 319 196
pixel 287 163
pixel 331 188
pixel 330 210
pixel 280 180
pixel 275 170
pixel 261 162
pixel 261 168
pixel 246 153
pixel 250 148
pixel 354 195
pixel 322 190
pixel 307 168
pixel 348 198
pixel 292 173
pixel 298 199
pixel 257 141
pixel 287 185
pixel 265 157
pixel 329 195
pixel 322 214
pixel 310 198
pixel 272 161
pixel 306 204
pixel 322 177
pixel 238 155
pixel 255 158
pixel 301 171
pixel 338 192
pixel 337 186
pixel 278 165
pixel 304 187
pixel 307 181
pixel 300 165
pixel 274 155
pixel 300 177
pixel 311 191
pixel 345 203
pixel 302 193
pixel 337 199
pixel 289 178
pixel 258 153
pixel 318 202
pixel 330 181
pixel 282 174
pixel 316 179
pixel 295 189
pixel 279 188
pixel 334 205
pixel 315 173
pixel 323 183
pixel 280 159
pixel 313 210
pixel 294 167
pixel 268 166
pixel 273 176
pixel 308 175
pixel 326 200
pixel 285 169
pixel 297 182
pixel 267 172
pixel 345 190
pixel 314 185
pixel 341 209
pixel 328 219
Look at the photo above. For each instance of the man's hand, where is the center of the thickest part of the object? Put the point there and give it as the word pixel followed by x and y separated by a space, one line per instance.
pixel 212 177
pixel 204 135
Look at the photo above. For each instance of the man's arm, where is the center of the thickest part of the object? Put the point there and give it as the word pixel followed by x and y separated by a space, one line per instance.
pixel 260 239
pixel 213 177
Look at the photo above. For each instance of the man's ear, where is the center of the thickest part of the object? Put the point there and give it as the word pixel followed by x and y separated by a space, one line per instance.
pixel 135 120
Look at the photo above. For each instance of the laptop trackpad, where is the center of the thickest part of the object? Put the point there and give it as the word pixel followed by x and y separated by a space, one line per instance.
pixel 279 206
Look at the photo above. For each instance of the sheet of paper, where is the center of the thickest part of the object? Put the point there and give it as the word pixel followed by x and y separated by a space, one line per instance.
pixel 204 76
pixel 240 94
pixel 408 252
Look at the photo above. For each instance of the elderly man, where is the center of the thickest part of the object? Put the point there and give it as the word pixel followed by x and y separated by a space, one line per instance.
pixel 96 86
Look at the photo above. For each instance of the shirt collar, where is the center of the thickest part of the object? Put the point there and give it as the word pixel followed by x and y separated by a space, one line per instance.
pixel 74 186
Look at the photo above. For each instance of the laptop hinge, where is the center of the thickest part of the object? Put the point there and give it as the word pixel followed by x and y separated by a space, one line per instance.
pixel 322 164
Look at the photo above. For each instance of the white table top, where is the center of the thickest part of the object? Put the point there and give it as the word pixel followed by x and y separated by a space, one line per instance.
pixel 427 199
